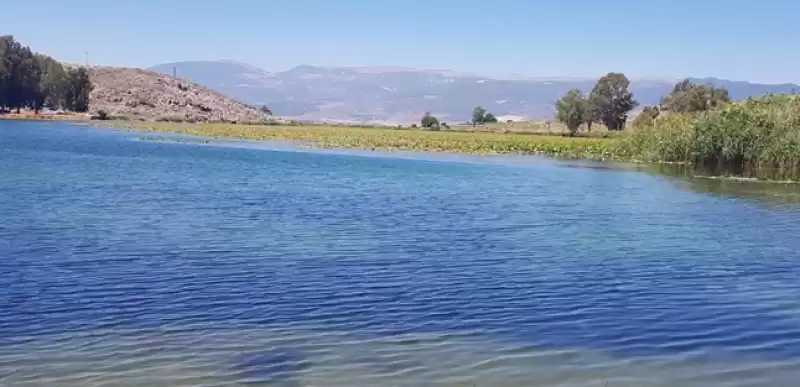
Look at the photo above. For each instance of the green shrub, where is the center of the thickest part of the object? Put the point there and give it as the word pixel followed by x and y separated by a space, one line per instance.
pixel 429 121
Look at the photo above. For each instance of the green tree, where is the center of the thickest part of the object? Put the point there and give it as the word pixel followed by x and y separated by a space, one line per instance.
pixel 78 90
pixel 647 117
pixel 429 121
pixel 52 84
pixel 266 110
pixel 28 79
pixel 478 115
pixel 22 74
pixel 613 100
pixel 592 113
pixel 687 97
pixel 571 110
pixel 5 72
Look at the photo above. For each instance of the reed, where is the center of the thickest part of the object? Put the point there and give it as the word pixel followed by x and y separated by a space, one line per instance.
pixel 760 133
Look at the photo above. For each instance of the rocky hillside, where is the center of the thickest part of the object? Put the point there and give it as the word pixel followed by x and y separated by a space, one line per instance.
pixel 146 95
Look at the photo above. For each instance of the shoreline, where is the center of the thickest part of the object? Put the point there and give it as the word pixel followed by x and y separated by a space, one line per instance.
pixel 389 139
pixel 443 156
pixel 558 148
pixel 72 117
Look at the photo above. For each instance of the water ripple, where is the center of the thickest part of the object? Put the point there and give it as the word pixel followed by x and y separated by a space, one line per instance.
pixel 171 264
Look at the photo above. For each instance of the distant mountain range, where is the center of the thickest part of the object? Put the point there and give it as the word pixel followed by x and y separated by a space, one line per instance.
pixel 400 95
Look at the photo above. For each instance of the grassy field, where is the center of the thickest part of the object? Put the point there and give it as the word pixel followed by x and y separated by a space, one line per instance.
pixel 397 139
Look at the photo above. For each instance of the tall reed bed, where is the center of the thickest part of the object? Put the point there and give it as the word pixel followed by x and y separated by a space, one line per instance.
pixel 761 133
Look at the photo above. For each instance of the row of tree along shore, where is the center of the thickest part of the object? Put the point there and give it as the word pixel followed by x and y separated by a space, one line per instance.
pixel 479 117
pixel 35 81
pixel 610 103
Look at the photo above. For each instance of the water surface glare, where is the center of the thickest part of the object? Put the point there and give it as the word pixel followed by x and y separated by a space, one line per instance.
pixel 139 263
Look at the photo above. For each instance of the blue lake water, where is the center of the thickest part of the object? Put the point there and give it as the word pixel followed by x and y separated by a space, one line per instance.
pixel 126 262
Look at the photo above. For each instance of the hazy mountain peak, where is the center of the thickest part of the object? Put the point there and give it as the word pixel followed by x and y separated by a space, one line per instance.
pixel 405 69
pixel 219 75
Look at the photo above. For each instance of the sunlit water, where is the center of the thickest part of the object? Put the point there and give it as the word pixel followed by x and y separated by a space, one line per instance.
pixel 126 262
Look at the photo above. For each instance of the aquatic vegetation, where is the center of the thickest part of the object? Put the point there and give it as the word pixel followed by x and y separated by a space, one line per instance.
pixel 174 139
pixel 397 139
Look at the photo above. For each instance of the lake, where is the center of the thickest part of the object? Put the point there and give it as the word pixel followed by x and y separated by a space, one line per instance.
pixel 129 262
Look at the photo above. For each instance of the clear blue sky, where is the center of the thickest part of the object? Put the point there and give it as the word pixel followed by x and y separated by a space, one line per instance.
pixel 742 40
